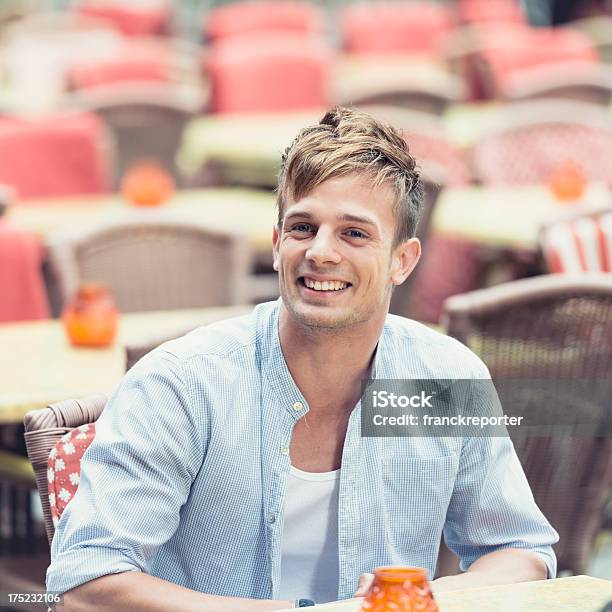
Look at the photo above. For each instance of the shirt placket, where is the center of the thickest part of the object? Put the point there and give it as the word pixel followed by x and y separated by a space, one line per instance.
pixel 347 509
pixel 278 458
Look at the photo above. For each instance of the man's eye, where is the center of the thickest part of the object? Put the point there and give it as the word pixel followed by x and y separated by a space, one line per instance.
pixel 355 233
pixel 301 227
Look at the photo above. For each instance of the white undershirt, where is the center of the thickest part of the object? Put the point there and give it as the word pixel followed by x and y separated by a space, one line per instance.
pixel 309 563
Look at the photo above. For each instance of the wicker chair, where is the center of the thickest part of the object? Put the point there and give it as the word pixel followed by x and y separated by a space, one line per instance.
pixel 153 264
pixel 146 120
pixel 556 327
pixel 43 429
pixel 532 139
pixel 488 56
pixel 591 83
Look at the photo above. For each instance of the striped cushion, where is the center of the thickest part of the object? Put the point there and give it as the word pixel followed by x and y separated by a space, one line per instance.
pixel 581 245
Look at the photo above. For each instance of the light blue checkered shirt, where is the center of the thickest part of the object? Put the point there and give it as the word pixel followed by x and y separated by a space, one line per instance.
pixel 185 479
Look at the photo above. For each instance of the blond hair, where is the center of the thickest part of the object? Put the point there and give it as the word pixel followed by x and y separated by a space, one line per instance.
pixel 348 141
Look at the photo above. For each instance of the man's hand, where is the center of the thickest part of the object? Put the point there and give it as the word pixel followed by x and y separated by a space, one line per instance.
pixel 499 567
pixel 365 580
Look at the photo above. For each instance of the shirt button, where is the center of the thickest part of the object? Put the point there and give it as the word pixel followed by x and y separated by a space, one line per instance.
pixel 271 517
pixel 285 450
pixel 298 406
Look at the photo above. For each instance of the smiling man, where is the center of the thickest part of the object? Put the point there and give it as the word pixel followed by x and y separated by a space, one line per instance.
pixel 229 472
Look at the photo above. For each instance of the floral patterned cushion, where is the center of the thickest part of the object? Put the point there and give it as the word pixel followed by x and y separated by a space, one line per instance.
pixel 64 467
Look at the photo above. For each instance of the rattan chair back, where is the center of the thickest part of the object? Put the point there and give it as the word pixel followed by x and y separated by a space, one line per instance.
pixel 44 428
pixel 556 327
pixel 154 264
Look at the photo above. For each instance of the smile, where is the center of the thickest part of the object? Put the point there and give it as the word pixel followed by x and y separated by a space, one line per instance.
pixel 326 285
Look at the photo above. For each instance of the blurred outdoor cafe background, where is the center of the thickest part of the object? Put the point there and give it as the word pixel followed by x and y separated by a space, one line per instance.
pixel 139 147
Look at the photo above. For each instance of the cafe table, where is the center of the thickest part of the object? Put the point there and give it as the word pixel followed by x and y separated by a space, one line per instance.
pixel 575 594
pixel 39 366
pixel 506 217
pixel 247 211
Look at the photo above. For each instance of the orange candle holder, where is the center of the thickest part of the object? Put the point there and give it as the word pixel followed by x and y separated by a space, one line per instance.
pixel 147 183
pixel 91 318
pixel 568 182
pixel 403 589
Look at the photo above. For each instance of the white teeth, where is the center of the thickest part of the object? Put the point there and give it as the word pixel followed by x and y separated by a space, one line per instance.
pixel 324 285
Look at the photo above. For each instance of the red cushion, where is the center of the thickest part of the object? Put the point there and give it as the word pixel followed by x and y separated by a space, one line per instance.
pixel 130 20
pixel 132 62
pixel 54 156
pixel 21 284
pixel 242 17
pixel 388 28
pixel 482 11
pixel 64 467
pixel 268 72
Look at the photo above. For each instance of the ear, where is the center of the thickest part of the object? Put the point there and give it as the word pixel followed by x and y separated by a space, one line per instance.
pixel 275 246
pixel 404 259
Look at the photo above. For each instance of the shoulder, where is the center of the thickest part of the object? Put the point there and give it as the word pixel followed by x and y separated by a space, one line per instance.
pixel 220 349
pixel 430 351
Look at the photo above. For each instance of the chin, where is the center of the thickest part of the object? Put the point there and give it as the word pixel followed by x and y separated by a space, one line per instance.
pixel 321 318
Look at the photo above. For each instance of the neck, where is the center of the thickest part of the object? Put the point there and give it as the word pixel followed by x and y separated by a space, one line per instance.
pixel 328 365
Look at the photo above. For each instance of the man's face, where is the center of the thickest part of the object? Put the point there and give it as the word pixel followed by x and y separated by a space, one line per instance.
pixel 334 254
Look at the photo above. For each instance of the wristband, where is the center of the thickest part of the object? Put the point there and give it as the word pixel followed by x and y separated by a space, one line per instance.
pixel 303 603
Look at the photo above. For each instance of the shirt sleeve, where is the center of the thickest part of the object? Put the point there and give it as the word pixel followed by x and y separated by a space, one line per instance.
pixel 492 506
pixel 135 476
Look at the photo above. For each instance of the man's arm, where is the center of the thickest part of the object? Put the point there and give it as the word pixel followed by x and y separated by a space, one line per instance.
pixel 499 567
pixel 493 523
pixel 135 478
pixel 136 591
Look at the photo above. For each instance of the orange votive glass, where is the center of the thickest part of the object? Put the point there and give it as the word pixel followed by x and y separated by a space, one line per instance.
pixel 91 318
pixel 568 182
pixel 402 589
pixel 147 184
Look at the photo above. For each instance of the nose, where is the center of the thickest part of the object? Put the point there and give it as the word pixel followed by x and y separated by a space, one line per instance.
pixel 323 248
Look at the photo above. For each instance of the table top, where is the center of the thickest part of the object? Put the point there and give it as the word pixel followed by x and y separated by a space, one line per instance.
pixel 39 366
pixel 246 211
pixel 575 594
pixel 506 217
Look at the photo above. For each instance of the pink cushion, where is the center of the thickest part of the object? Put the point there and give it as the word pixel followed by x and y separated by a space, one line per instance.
pixel 268 72
pixel 133 62
pixel 64 467
pixel 482 11
pixel 21 283
pixel 242 17
pixel 387 28
pixel 54 156
pixel 130 20
pixel 533 47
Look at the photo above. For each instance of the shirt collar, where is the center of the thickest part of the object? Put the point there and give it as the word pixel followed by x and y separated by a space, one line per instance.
pixel 277 371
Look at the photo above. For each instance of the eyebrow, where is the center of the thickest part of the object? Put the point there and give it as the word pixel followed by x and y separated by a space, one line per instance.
pixel 345 217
